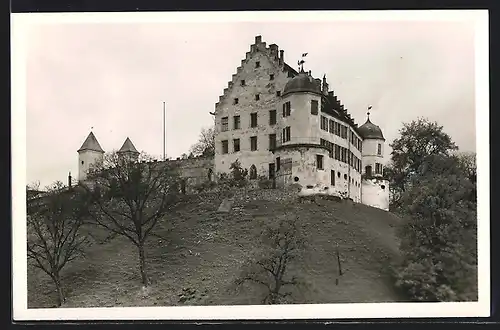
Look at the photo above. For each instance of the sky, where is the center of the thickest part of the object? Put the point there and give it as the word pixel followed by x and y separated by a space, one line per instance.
pixel 112 78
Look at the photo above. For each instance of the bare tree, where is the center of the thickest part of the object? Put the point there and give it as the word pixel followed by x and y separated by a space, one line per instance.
pixel 128 197
pixel 282 243
pixel 53 232
pixel 206 143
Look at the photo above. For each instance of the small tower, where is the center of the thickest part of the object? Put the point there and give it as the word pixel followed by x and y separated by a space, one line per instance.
pixel 128 150
pixel 374 187
pixel 89 154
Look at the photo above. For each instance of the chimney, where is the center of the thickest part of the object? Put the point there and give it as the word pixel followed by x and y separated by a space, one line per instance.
pixel 69 180
pixel 325 86
pixel 274 50
pixel 282 57
pixel 258 40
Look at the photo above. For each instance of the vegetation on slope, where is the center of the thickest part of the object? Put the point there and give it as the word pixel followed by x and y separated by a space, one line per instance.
pixel 197 255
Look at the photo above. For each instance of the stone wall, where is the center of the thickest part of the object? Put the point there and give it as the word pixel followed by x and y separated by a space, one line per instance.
pixel 257 81
pixel 194 171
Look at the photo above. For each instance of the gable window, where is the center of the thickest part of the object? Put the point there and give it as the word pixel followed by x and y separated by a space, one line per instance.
pixel 235 100
pixel 237 122
pixel 253 143
pixel 379 149
pixel 243 83
pixel 271 77
pixel 257 97
pixel 257 64
pixel 253 119
pixel 272 117
pixel 236 145
pixel 286 109
pixel 272 141
pixel 224 124
pixel 225 147
pixel 286 134
pixel 314 107
pixel 319 162
pixel 278 93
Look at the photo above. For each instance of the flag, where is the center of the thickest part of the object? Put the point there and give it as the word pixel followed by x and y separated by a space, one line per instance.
pixel 304 55
pixel 369 107
pixel 301 62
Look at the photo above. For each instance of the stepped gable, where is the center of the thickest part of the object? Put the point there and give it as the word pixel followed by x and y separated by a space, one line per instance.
pixel 91 143
pixel 331 105
pixel 276 57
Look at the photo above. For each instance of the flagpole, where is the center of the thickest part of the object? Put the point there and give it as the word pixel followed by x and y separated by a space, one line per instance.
pixel 164 130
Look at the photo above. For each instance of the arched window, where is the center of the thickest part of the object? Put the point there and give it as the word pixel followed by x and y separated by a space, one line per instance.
pixel 253 172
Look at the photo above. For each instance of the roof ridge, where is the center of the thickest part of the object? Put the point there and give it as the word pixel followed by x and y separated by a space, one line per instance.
pixel 128 146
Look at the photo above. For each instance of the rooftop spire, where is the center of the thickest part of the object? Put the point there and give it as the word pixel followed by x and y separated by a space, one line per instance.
pixel 91 143
pixel 301 63
pixel 368 112
pixel 128 146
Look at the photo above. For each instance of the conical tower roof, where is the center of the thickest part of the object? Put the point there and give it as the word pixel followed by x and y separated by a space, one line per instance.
pixel 91 143
pixel 128 146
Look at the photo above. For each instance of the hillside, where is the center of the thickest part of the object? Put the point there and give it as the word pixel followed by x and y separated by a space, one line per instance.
pixel 201 251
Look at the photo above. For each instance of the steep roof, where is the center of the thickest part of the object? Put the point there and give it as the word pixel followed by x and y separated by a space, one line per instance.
pixel 302 83
pixel 128 146
pixel 91 143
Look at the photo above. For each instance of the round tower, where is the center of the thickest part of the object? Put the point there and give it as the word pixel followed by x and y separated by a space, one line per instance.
pixel 300 158
pixel 128 150
pixel 89 154
pixel 374 188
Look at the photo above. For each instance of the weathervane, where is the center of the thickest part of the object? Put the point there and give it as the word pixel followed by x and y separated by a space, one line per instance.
pixel 368 112
pixel 301 62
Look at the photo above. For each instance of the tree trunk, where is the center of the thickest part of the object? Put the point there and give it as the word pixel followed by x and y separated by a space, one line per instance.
pixel 142 264
pixel 60 293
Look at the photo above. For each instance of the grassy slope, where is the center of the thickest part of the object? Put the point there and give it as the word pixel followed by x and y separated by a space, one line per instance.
pixel 204 250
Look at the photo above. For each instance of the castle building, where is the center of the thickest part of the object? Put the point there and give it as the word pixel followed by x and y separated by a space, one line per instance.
pixel 286 126
pixel 289 127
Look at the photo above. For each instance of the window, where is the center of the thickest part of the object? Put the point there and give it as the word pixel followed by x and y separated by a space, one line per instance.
pixel 379 150
pixel 253 119
pixel 345 176
pixel 236 145
pixel 257 97
pixel 82 162
pixel 243 83
pixel 257 64
pixel 225 147
pixel 331 127
pixel 224 124
pixel 235 100
pixel 378 168
pixel 272 141
pixel 319 162
pixel 343 156
pixel 278 93
pixel 337 152
pixel 314 107
pixel 272 117
pixel 368 171
pixel 324 123
pixel 237 122
pixel 343 131
pixel 286 134
pixel 253 143
pixel 271 77
pixel 290 74
pixel 253 172
pixel 286 109
pixel 278 164
pixel 332 177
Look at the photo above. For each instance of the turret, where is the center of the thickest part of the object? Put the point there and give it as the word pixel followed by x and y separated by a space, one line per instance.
pixel 128 150
pixel 89 154
pixel 373 148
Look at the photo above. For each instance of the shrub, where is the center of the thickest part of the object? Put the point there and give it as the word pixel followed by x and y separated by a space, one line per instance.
pixel 265 182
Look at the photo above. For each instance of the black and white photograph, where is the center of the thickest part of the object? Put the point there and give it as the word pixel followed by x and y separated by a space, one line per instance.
pixel 249 165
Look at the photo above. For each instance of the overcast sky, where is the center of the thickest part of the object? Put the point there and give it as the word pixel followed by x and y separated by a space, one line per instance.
pixel 114 78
